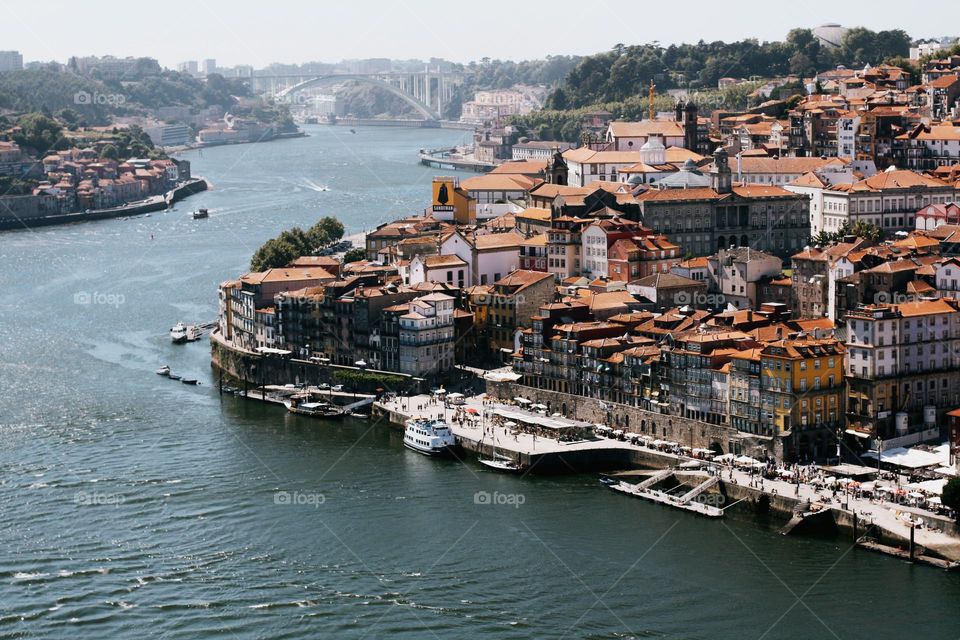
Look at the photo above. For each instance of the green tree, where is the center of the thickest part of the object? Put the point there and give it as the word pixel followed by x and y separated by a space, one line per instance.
pixel 39 132
pixel 110 153
pixel 273 254
pixel 951 496
pixel 355 255
pixel 327 230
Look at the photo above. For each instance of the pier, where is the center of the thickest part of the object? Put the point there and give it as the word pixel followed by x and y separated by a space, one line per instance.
pixel 450 159
pixel 800 507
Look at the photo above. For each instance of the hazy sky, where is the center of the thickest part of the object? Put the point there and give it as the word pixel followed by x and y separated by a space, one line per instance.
pixel 258 33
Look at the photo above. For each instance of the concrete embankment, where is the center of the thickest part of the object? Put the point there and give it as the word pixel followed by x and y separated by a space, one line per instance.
pixel 781 505
pixel 154 203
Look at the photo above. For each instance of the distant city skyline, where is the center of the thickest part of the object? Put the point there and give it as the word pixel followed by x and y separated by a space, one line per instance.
pixel 290 33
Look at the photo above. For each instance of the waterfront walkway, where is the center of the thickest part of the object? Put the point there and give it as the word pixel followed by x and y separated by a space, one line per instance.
pixel 472 421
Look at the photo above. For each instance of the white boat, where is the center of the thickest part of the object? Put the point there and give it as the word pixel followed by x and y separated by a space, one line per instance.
pixel 163 371
pixel 429 437
pixel 502 463
pixel 178 334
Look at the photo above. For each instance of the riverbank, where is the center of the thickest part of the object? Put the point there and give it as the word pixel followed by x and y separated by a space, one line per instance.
pixel 794 507
pixel 140 207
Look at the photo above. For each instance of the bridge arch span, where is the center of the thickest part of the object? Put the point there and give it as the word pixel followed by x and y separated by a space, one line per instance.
pixel 425 110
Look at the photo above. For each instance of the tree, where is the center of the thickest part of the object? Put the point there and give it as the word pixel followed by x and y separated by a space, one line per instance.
pixel 39 132
pixel 951 496
pixel 110 153
pixel 355 255
pixel 866 230
pixel 327 230
pixel 273 254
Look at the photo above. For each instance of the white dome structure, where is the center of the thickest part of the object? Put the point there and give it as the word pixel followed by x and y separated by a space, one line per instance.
pixel 653 152
pixel 830 34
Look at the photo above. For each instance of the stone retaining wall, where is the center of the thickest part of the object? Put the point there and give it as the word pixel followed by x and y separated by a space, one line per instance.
pixel 685 431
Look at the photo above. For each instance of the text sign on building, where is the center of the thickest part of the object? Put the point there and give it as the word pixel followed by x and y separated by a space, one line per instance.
pixel 443 194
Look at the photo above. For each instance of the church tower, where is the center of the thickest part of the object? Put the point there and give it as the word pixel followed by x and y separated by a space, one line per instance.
pixel 690 137
pixel 557 170
pixel 720 177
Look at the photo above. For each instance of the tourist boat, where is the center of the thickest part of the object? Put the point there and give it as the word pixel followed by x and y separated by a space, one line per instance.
pixel 163 371
pixel 323 410
pixel 429 437
pixel 178 334
pixel 200 214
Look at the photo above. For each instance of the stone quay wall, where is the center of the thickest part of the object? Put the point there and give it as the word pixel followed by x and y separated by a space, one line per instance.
pixel 685 431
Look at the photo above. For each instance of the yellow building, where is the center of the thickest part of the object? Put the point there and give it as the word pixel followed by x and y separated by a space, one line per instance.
pixel 452 203
pixel 802 393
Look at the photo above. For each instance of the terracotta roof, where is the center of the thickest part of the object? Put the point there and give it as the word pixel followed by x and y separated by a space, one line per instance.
pixel 522 167
pixel 497 241
pixel 443 261
pixel 897 179
pixel 645 128
pixel 498 182
pixel 286 274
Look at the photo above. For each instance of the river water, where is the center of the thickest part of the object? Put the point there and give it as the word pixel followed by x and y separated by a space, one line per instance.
pixel 133 505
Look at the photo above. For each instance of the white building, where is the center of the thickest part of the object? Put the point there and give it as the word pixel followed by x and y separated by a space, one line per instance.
pixel 489 256
pixel 888 200
pixel 586 165
pixel 427 335
pixel 450 269
pixel 11 61
pixel 169 135
pixel 734 273
pixel 630 136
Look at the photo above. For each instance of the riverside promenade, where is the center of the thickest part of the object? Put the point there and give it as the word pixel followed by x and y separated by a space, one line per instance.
pixel 476 429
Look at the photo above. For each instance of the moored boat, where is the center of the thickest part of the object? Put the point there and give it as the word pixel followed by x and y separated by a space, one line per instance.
pixel 323 410
pixel 190 381
pixel 163 371
pixel 429 437
pixel 200 214
pixel 178 334
pixel 174 376
pixel 503 464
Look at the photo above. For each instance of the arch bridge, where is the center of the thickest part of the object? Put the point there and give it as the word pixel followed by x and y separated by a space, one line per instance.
pixel 426 91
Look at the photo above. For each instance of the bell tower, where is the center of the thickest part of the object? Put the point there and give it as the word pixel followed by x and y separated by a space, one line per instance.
pixel 720 177
pixel 557 170
pixel 690 137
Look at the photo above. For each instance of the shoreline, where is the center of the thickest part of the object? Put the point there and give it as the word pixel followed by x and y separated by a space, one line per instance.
pixel 799 508
pixel 158 202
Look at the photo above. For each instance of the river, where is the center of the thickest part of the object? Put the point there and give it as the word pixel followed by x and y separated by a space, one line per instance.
pixel 136 506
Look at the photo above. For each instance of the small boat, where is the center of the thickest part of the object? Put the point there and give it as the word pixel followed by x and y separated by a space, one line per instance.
pixel 174 376
pixel 194 333
pixel 190 381
pixel 200 214
pixel 502 463
pixel 353 130
pixel 178 334
pixel 358 416
pixel 314 409
pixel 429 437
pixel 163 371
